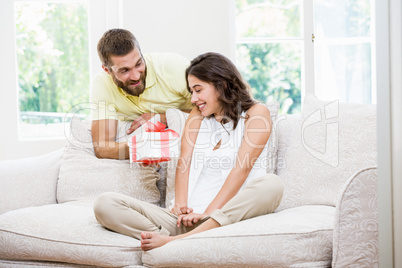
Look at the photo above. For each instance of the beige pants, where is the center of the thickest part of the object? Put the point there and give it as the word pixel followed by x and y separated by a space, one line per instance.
pixel 130 216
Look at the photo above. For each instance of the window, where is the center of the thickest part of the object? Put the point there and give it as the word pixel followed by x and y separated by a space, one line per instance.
pixel 52 64
pixel 343 50
pixel 269 50
pixel 288 47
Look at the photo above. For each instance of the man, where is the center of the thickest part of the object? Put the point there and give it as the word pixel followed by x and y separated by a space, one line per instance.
pixel 133 87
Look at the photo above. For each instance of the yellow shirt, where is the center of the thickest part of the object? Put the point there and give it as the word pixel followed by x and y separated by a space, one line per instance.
pixel 165 88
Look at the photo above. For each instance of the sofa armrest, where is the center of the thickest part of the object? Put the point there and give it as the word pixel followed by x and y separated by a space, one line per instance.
pixel 29 181
pixel 355 241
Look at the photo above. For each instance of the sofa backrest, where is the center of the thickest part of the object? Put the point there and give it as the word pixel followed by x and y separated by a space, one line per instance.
pixel 321 149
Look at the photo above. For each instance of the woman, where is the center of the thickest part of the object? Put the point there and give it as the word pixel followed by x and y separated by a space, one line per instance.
pixel 220 176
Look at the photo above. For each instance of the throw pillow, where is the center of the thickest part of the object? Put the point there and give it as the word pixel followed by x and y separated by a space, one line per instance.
pixel 272 150
pixel 176 119
pixel 332 142
pixel 84 176
pixel 29 182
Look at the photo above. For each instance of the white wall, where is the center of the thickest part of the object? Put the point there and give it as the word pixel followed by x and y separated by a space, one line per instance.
pixel 396 123
pixel 181 26
pixel 8 120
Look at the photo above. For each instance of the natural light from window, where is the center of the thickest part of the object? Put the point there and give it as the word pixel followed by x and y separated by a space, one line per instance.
pixel 269 47
pixel 343 50
pixel 53 65
pixel 281 44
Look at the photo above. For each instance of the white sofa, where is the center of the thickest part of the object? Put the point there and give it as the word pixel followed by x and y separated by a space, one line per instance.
pixel 328 215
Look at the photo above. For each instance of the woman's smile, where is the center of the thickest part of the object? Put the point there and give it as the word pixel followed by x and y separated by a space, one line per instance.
pixel 205 96
pixel 201 106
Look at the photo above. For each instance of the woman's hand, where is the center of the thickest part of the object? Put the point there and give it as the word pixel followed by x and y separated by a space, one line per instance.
pixel 190 219
pixel 178 209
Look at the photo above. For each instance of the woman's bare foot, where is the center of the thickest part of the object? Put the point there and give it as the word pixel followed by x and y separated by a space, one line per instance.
pixel 151 240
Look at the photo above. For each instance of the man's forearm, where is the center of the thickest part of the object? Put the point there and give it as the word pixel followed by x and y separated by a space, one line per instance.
pixel 112 150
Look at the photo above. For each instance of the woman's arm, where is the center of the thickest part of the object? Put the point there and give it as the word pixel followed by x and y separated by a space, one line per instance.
pixel 188 140
pixel 258 128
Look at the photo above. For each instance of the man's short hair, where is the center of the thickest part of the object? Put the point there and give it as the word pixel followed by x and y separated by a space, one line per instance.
pixel 116 42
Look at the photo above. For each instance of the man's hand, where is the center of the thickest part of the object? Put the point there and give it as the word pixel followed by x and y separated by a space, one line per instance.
pixel 140 120
pixel 189 220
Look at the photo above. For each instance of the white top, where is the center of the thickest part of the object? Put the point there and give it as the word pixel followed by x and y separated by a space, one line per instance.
pixel 208 184
pixel 209 169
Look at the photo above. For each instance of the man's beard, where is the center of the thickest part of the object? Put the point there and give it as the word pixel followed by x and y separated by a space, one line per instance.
pixel 132 90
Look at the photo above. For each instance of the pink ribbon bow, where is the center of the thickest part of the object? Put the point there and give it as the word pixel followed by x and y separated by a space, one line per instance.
pixel 159 127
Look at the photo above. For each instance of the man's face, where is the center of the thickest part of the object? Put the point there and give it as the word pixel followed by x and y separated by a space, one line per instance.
pixel 129 72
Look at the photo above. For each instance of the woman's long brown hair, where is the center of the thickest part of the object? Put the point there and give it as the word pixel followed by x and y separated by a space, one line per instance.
pixel 234 92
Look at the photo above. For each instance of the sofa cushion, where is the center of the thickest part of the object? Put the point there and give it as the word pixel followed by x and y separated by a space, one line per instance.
pixel 176 120
pixel 285 126
pixel 84 176
pixel 272 151
pixel 30 181
pixel 40 264
pixel 66 233
pixel 332 142
pixel 297 237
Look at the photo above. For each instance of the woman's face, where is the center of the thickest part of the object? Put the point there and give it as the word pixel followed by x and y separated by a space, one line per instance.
pixel 205 96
